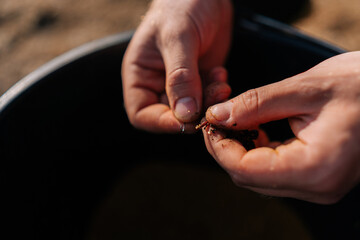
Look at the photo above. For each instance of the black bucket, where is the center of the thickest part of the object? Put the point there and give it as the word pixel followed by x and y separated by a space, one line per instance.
pixel 72 167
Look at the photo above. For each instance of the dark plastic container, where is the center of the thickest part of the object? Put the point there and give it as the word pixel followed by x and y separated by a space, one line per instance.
pixel 72 167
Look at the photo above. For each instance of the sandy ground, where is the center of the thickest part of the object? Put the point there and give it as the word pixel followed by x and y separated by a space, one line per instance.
pixel 33 32
pixel 335 21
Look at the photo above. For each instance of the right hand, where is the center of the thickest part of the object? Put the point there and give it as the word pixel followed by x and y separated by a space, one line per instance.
pixel 322 162
pixel 177 42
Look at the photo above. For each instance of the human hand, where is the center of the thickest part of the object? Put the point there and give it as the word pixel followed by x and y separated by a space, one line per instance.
pixel 172 67
pixel 322 163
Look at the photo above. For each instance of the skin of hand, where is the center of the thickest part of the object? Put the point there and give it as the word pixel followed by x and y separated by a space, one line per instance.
pixel 322 163
pixel 172 68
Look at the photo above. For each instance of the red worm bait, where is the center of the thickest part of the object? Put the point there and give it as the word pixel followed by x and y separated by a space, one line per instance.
pixel 245 137
pixel 202 125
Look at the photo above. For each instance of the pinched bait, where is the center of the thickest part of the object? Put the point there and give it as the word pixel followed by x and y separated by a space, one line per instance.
pixel 245 137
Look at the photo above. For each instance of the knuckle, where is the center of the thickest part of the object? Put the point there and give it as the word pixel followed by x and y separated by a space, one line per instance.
pixel 250 100
pixel 180 82
pixel 179 76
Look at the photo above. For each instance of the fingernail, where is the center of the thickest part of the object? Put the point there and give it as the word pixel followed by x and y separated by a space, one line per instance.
pixel 221 112
pixel 185 109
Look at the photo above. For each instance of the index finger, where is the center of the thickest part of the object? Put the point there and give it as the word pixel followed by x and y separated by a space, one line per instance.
pixel 264 167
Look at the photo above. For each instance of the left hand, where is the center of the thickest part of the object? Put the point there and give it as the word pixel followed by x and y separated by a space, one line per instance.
pixel 322 163
pixel 172 67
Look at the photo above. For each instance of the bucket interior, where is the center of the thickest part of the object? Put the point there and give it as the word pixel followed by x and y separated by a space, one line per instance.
pixel 74 168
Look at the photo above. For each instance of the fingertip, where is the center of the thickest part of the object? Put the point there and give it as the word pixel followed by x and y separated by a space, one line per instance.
pixel 219 114
pixel 211 140
pixel 227 152
pixel 184 91
pixel 159 118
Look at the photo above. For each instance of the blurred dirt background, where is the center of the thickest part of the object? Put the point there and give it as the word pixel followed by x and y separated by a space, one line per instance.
pixel 33 32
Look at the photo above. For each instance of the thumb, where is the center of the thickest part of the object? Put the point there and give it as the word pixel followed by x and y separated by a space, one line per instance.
pixel 183 83
pixel 284 99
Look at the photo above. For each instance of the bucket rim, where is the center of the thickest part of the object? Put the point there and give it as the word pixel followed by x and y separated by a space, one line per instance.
pixel 59 62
